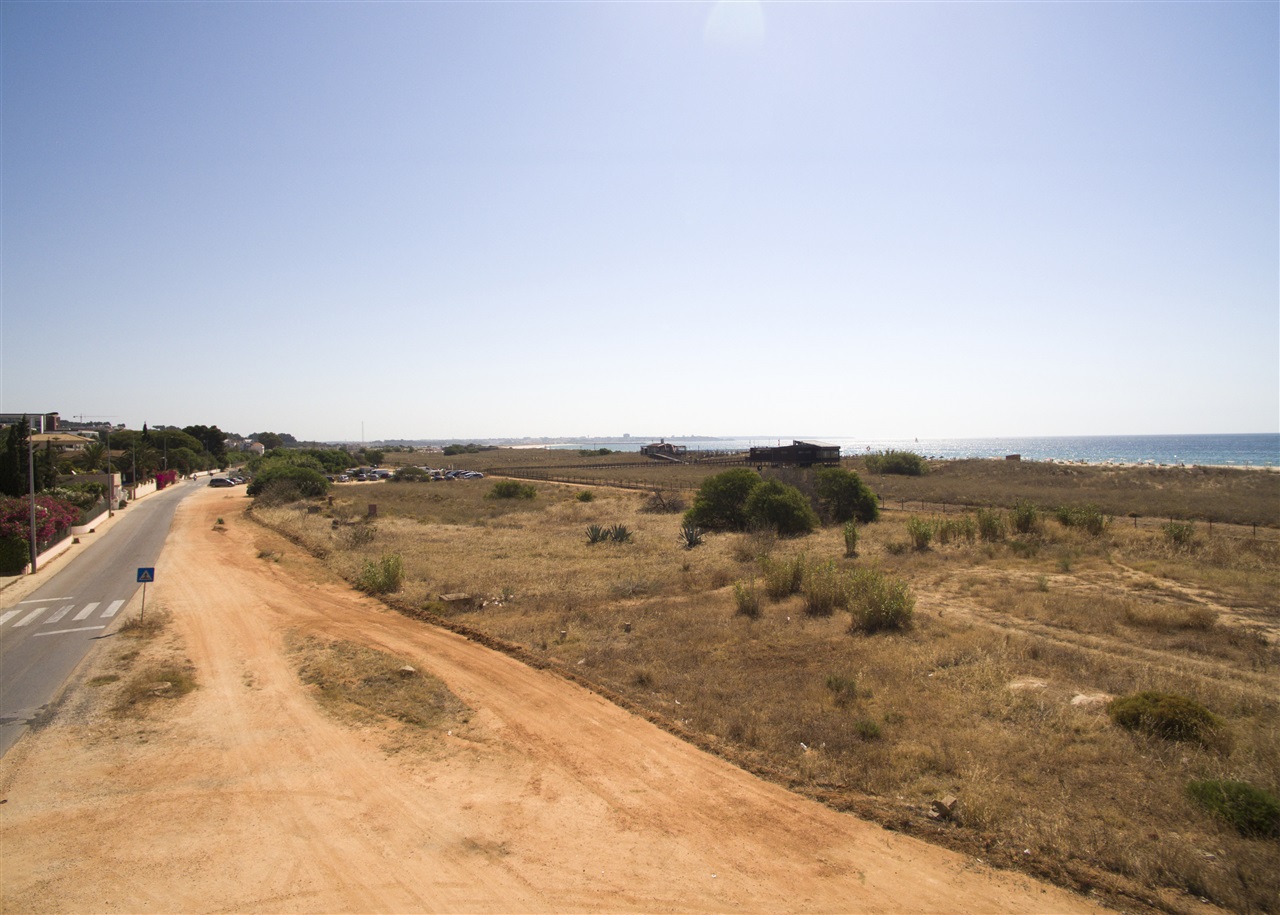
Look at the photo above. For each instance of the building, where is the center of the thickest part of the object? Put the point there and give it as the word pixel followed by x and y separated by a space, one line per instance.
pixel 799 454
pixel 662 449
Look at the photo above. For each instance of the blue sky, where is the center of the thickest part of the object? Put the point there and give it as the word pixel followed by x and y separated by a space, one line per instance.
pixel 465 220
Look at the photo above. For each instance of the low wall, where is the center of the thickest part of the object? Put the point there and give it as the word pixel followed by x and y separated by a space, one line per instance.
pixel 78 529
pixel 56 550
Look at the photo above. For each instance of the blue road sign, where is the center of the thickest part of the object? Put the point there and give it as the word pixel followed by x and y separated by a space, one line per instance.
pixel 145 575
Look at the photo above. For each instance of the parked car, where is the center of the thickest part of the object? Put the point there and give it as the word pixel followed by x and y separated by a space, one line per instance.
pixel 220 481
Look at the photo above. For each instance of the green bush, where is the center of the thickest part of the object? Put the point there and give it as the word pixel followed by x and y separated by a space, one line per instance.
pixel 720 503
pixel 955 527
pixel 1166 715
pixel 1179 533
pixel 824 589
pixel 780 507
pixel 410 475
pixel 990 525
pixel 920 530
pixel 284 476
pixel 585 495
pixel 1088 517
pixel 1025 517
pixel 842 496
pixel 383 576
pixel 850 531
pixel 782 577
pixel 15 553
pixel 880 602
pixel 512 489
pixel 903 463
pixel 746 596
pixel 1254 813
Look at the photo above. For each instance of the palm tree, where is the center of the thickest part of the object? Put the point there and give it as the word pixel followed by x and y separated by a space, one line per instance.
pixel 93 455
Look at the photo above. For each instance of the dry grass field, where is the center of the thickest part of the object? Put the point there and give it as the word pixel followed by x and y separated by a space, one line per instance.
pixel 997 695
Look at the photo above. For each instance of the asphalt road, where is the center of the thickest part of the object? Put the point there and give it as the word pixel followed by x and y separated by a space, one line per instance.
pixel 45 635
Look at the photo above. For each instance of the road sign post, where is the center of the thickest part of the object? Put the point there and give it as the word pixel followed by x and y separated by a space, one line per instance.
pixel 145 575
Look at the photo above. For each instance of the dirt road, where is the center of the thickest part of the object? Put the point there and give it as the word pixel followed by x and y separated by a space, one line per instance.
pixel 245 796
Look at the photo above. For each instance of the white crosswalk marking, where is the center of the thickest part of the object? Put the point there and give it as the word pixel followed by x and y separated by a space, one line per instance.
pixel 5 617
pixel 26 620
pixel 57 617
pixel 83 614
pixel 113 608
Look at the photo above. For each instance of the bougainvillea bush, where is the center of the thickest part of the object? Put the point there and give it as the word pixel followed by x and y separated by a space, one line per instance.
pixel 53 516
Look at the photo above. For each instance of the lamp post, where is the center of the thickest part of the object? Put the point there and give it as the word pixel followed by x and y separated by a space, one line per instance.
pixel 31 483
pixel 111 478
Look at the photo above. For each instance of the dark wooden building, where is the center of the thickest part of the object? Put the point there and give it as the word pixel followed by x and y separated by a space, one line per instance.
pixel 799 454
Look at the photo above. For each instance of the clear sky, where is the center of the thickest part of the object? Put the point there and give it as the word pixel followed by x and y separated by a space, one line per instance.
pixel 483 219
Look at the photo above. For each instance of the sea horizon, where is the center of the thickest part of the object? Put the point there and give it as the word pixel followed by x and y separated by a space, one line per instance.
pixel 1255 449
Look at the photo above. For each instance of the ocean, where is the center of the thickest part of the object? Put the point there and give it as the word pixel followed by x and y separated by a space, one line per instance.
pixel 1244 450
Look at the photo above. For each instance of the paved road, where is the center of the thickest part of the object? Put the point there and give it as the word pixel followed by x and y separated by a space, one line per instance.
pixel 47 633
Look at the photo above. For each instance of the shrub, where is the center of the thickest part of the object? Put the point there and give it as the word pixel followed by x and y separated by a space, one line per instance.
pixel 850 531
pixel 780 507
pixel 824 589
pixel 1166 715
pixel 782 577
pixel 1254 813
pixel 307 482
pixel 14 555
pixel 1087 517
pixel 410 475
pixel 383 576
pixel 920 530
pixel 720 503
pixel 866 729
pixel 842 496
pixel 990 525
pixel 746 596
pixel 844 689
pixel 960 527
pixel 903 463
pixel 880 602
pixel 691 535
pixel 1179 533
pixel 512 489
pixel 586 495
pixel 663 503
pixel 1025 517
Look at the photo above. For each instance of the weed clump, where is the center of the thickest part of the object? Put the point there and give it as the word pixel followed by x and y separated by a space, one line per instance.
pixel 920 530
pixel 746 597
pixel 381 576
pixel 782 577
pixel 1179 533
pixel 1088 518
pixel 586 495
pixel 990 525
pixel 1025 517
pixel 850 532
pixel 880 602
pixel 1253 812
pixel 825 589
pixel 1166 715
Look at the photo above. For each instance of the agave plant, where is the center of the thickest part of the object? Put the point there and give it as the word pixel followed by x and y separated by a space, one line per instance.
pixel 596 534
pixel 619 533
pixel 691 535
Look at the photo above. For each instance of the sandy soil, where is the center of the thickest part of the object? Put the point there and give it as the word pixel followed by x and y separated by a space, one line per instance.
pixel 245 796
